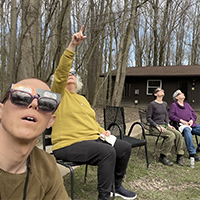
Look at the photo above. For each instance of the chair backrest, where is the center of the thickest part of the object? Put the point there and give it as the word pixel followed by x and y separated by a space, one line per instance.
pixel 174 124
pixel 116 115
pixel 46 138
pixel 143 118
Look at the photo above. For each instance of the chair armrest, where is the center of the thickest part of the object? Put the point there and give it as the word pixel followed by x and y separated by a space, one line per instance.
pixel 118 126
pixel 159 130
pixel 132 126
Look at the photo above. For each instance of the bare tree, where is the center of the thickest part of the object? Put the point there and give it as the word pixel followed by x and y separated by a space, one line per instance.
pixel 195 36
pixel 124 52
pixel 3 49
pixel 35 33
pixel 30 14
pixel 12 43
pixel 163 39
pixel 155 32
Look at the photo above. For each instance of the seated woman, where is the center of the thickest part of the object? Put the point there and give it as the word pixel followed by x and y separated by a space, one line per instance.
pixel 183 113
pixel 157 116
pixel 75 135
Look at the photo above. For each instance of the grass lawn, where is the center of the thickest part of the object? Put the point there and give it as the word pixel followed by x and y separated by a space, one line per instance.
pixel 159 182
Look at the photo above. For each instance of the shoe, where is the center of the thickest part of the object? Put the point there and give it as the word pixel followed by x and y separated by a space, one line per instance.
pixel 123 193
pixel 198 150
pixel 165 161
pixel 196 157
pixel 179 160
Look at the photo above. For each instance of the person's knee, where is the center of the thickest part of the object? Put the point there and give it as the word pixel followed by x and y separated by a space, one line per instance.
pixel 108 158
pixel 125 147
pixel 179 135
pixel 109 152
pixel 187 132
pixel 128 148
pixel 187 129
pixel 171 136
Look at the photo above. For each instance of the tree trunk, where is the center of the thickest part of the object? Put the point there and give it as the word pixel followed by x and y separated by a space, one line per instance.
pixel 3 52
pixel 93 62
pixel 163 34
pixel 123 54
pixel 12 43
pixel 155 21
pixel 27 66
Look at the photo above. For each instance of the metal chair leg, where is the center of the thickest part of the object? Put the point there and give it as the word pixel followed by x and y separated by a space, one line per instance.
pixel 86 168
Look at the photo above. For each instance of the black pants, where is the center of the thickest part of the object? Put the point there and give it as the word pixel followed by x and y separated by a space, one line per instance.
pixel 110 160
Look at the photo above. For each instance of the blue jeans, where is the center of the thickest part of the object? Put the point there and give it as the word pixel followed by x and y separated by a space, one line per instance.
pixel 188 138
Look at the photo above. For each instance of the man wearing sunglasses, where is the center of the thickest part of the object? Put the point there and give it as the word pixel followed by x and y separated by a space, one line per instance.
pixel 185 116
pixel 157 116
pixel 26 172
pixel 76 133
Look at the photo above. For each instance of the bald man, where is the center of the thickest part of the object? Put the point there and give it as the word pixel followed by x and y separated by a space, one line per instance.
pixel 27 172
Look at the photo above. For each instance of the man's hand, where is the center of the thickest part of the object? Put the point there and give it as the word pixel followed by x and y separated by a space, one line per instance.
pixel 77 38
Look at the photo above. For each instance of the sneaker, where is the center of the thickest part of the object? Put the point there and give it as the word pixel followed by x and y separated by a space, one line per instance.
pixel 196 157
pixel 165 161
pixel 198 150
pixel 179 161
pixel 123 193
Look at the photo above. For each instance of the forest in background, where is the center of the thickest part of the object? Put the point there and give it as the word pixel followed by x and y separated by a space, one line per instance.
pixel 120 34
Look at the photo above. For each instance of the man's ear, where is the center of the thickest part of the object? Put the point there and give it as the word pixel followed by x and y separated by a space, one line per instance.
pixel 1 110
pixel 51 121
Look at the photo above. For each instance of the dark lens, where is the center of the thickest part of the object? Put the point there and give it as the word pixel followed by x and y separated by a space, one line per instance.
pixel 73 73
pixel 156 91
pixel 20 98
pixel 47 104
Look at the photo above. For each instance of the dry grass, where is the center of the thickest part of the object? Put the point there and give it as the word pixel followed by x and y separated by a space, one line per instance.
pixel 159 182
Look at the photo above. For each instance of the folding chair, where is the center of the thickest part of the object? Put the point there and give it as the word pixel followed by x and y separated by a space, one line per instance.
pixel 114 120
pixel 46 136
pixel 146 125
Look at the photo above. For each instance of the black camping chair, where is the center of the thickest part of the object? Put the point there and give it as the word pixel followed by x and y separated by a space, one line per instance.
pixel 114 120
pixel 146 124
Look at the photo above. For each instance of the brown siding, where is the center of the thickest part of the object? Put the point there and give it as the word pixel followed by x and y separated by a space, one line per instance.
pixel 170 84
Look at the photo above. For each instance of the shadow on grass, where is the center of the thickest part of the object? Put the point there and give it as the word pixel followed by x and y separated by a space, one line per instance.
pixel 159 182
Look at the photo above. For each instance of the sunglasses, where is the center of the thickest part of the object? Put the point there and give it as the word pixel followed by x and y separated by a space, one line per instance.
pixel 73 73
pixel 46 99
pixel 178 94
pixel 158 90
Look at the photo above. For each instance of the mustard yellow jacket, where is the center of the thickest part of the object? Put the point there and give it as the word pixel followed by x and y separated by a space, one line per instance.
pixel 75 119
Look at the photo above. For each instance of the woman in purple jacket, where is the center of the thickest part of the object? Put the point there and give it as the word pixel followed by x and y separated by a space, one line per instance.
pixel 183 113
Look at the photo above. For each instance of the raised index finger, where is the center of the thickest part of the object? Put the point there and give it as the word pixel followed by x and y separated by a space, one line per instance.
pixel 82 28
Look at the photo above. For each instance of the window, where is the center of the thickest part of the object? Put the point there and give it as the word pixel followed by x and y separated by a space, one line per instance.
pixel 152 85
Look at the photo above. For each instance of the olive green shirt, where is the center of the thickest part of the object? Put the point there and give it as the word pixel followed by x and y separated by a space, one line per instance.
pixel 44 182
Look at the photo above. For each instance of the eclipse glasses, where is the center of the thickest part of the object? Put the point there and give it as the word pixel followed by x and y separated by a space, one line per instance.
pixel 21 95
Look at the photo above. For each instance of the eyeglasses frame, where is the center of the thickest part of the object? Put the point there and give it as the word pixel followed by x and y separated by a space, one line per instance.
pixel 33 96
